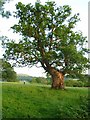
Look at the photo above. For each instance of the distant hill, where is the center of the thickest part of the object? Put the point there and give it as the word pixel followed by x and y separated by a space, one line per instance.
pixel 24 77
pixel 27 78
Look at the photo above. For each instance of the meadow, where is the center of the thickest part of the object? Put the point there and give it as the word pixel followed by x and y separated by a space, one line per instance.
pixel 40 101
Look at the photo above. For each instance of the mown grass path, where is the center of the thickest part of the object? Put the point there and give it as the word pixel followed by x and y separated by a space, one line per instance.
pixel 34 101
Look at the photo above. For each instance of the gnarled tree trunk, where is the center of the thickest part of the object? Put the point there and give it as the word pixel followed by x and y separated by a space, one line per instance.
pixel 57 76
pixel 57 79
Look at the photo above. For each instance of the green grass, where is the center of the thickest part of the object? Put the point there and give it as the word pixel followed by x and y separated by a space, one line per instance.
pixel 0 101
pixel 34 101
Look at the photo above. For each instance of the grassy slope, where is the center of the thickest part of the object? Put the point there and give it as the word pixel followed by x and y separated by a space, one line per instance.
pixel 31 101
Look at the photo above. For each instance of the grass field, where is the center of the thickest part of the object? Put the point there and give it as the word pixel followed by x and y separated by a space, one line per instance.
pixel 0 101
pixel 34 101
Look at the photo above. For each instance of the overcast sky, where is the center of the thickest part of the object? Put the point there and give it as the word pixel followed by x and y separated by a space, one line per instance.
pixel 78 6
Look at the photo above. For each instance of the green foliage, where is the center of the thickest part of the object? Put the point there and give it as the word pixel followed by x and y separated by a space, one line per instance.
pixel 30 101
pixel 8 73
pixel 77 83
pixel 48 37
pixel 2 10
pixel 40 80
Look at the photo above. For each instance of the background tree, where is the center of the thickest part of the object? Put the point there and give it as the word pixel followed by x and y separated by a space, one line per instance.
pixel 2 10
pixel 8 73
pixel 49 38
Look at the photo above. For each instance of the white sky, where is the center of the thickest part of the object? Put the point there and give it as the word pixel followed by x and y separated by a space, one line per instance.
pixel 78 6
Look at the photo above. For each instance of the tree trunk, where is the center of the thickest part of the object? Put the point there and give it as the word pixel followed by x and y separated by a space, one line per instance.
pixel 57 79
pixel 57 76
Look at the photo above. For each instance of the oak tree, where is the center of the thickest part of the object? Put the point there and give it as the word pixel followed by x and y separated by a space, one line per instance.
pixel 49 38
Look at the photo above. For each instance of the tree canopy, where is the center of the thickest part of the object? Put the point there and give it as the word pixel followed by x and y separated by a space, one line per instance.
pixel 49 38
pixel 8 73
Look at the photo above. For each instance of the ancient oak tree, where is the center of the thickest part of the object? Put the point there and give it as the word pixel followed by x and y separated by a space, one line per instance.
pixel 49 38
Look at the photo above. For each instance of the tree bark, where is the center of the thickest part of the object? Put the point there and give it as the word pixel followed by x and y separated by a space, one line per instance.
pixel 57 79
pixel 57 76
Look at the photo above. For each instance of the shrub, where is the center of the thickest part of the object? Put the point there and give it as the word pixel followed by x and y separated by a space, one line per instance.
pixel 74 83
pixel 39 80
pixel 69 83
pixel 78 84
pixel 87 84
